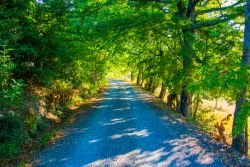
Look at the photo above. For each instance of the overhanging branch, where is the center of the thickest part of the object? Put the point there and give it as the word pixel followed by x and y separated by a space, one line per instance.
pixel 200 12
pixel 219 20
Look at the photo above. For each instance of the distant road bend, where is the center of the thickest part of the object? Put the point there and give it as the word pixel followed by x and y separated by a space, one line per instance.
pixel 124 130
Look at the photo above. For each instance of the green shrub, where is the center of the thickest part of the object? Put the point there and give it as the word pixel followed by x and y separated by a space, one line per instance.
pixel 44 140
pixel 10 95
pixel 11 127
pixel 10 89
pixel 205 119
pixel 59 94
pixel 8 149
pixel 34 124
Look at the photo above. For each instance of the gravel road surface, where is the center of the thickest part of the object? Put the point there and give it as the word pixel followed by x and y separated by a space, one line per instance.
pixel 124 130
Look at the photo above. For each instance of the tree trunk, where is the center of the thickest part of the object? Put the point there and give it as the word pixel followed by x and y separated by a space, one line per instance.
pixel 153 88
pixel 139 79
pixel 163 91
pixel 170 100
pixel 142 77
pixel 186 98
pixel 186 103
pixel 150 83
pixel 178 104
pixel 132 76
pixel 196 106
pixel 240 141
pixel 216 103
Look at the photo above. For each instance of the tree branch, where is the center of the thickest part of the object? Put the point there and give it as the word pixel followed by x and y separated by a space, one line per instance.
pixel 200 12
pixel 195 2
pixel 159 1
pixel 155 30
pixel 222 19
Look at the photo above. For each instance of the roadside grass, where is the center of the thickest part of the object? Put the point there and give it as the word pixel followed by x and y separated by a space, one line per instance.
pixel 31 148
pixel 228 128
pixel 53 132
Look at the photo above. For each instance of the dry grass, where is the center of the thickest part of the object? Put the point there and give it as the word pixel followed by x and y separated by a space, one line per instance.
pixel 221 111
pixel 219 115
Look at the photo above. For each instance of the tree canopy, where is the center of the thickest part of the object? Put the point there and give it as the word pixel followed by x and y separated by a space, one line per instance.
pixel 63 50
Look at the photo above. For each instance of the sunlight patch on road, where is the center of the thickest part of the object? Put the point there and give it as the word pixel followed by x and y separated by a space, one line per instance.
pixel 94 140
pixel 178 155
pixel 129 129
pixel 142 133
pixel 117 121
pixel 102 106
pixel 121 109
pixel 187 147
pixel 126 92
pixel 65 159
pixel 136 157
pixel 125 98
pixel 147 156
pixel 106 98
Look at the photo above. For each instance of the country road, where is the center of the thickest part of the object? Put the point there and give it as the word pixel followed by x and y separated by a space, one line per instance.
pixel 124 130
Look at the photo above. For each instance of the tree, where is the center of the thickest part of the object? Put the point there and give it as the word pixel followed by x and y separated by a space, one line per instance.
pixel 240 125
pixel 187 12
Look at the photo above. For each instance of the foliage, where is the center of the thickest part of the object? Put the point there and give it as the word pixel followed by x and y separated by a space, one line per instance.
pixel 44 56
pixel 205 119
pixel 44 140
pixel 61 52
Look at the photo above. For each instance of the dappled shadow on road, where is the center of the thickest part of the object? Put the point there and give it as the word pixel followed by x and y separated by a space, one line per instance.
pixel 125 131
pixel 161 156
